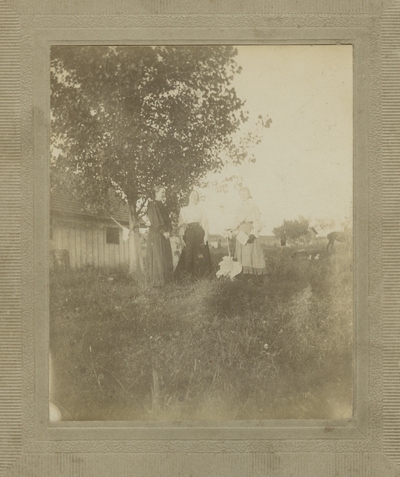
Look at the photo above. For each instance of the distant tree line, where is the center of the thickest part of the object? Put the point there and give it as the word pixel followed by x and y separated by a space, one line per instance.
pixel 292 230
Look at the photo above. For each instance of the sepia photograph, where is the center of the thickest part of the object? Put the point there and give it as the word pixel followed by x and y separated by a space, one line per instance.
pixel 201 233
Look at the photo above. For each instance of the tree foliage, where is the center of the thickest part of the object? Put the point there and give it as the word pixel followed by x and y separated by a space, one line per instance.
pixel 129 117
pixel 292 229
pixel 324 224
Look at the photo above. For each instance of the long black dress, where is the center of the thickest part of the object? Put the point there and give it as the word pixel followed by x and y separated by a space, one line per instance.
pixel 159 252
pixel 195 259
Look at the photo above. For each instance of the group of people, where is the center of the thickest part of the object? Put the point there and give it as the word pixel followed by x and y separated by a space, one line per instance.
pixel 195 259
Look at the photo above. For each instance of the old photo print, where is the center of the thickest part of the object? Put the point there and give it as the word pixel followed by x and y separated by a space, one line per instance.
pixel 201 233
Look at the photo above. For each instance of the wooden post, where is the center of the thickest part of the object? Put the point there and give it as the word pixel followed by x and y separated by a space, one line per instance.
pixel 135 257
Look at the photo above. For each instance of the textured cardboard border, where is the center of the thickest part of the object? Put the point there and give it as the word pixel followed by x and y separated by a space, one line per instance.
pixel 350 428
pixel 290 448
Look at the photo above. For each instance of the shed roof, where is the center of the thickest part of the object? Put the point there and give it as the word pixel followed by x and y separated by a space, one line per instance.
pixel 64 204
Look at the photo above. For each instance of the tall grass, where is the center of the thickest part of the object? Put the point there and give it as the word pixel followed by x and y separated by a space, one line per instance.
pixel 258 348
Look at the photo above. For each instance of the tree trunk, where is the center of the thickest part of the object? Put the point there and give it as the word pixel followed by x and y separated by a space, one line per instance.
pixel 135 253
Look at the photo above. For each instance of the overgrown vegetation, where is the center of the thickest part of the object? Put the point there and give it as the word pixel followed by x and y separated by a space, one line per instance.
pixel 292 229
pixel 255 348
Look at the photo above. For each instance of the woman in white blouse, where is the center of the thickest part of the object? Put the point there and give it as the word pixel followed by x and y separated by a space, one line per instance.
pixel 193 231
pixel 248 224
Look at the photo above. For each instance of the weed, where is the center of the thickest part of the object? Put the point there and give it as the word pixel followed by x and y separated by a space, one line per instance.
pixel 278 346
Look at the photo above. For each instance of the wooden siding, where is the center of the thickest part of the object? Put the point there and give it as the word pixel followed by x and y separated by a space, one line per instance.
pixel 87 245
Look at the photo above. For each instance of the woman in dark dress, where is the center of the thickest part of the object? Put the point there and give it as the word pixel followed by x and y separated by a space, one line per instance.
pixel 193 231
pixel 159 252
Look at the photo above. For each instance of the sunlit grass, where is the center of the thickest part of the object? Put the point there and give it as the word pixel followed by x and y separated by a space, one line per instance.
pixel 252 348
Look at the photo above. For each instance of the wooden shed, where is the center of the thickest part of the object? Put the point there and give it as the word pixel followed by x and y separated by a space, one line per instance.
pixel 79 237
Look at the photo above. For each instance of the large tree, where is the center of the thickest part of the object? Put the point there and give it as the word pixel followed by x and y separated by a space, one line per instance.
pixel 125 118
pixel 292 229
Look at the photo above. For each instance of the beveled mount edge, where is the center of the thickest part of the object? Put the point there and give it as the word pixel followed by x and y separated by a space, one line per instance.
pixel 355 428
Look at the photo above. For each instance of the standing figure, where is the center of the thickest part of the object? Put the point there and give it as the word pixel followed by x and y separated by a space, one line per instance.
pixel 159 253
pixel 338 236
pixel 283 241
pixel 195 259
pixel 248 224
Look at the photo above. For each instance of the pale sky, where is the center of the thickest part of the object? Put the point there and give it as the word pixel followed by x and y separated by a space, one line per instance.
pixel 305 161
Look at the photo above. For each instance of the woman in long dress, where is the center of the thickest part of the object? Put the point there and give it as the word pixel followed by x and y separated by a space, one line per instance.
pixel 159 253
pixel 195 259
pixel 248 224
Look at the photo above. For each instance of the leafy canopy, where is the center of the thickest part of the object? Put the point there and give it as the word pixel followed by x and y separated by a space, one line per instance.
pixel 130 117
pixel 292 229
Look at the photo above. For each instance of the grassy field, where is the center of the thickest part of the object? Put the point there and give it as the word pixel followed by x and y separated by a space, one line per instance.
pixel 279 346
